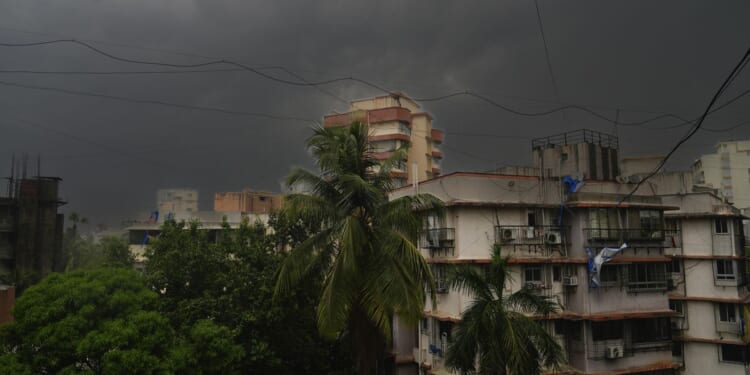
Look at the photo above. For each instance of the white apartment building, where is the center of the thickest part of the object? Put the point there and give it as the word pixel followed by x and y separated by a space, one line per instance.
pixel 176 200
pixel 728 171
pixel 673 277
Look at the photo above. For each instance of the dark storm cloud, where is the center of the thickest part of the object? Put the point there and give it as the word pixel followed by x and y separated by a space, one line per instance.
pixel 640 57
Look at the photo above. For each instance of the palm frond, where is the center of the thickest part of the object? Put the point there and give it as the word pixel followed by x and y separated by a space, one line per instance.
pixel 296 264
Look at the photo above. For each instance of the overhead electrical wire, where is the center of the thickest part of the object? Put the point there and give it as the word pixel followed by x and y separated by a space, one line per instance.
pixel 355 79
pixel 735 72
pixel 158 102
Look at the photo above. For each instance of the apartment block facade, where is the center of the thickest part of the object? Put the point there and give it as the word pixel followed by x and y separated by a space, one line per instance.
pixel 671 302
pixel 727 170
pixel 177 200
pixel 394 121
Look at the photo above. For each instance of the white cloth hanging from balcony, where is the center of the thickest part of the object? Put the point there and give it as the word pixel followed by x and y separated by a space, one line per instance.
pixel 596 261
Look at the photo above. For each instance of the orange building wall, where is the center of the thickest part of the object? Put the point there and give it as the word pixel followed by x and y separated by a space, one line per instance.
pixel 247 201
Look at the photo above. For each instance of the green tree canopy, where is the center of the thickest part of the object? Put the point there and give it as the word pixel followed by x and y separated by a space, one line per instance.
pixel 87 322
pixel 495 331
pixel 365 246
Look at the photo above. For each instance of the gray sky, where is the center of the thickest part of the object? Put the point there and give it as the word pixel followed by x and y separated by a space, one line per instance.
pixel 643 57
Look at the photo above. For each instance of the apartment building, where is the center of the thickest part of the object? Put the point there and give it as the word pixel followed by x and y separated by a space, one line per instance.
pixel 177 200
pixel 395 121
pixel 248 201
pixel 727 170
pixel 710 276
pixel 671 302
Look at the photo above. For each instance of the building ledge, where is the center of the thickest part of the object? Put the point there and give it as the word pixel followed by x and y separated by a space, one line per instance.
pixel 676 297
pixel 665 365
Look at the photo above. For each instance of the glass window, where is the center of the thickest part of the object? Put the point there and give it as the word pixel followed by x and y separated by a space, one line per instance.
pixel 727 313
pixel 650 220
pixel 532 274
pixel 675 266
pixel 721 226
pixel 678 307
pixel 610 330
pixel 647 276
pixel 650 330
pixel 556 273
pixel 609 275
pixel 732 353
pixel 725 269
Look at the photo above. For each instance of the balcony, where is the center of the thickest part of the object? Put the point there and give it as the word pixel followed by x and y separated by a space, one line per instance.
pixel 531 241
pixel 441 242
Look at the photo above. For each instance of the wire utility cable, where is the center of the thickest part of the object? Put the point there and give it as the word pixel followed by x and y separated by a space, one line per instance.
pixel 736 71
pixel 174 65
pixel 158 102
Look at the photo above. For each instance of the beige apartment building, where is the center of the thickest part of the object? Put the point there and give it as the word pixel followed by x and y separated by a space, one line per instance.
pixel 395 121
pixel 176 200
pixel 671 302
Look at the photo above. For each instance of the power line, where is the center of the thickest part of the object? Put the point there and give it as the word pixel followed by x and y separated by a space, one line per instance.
pixel 546 56
pixel 158 102
pixel 735 72
pixel 370 84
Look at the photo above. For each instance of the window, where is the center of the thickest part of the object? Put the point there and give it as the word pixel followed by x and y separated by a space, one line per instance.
pixel 609 330
pixel 383 146
pixel 425 328
pixel 609 275
pixel 439 274
pixel 650 221
pixel 556 273
pixel 725 270
pixel 674 266
pixel 677 349
pixel 732 353
pixel 647 277
pixel 650 330
pixel 721 226
pixel 727 313
pixel 678 307
pixel 532 274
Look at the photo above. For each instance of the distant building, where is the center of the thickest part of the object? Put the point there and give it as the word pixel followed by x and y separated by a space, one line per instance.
pixel 174 200
pixel 139 234
pixel 31 233
pixel 394 121
pixel 728 171
pixel 247 201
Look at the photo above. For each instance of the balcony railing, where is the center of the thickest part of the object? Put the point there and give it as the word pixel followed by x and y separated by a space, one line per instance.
pixel 440 242
pixel 728 327
pixel 606 235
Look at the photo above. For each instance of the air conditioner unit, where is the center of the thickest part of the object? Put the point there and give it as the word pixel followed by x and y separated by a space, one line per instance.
pixel 553 237
pixel 570 280
pixel 507 235
pixel 530 233
pixel 614 351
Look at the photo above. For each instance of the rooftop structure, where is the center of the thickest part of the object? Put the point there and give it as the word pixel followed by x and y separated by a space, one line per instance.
pixel 174 200
pixel 248 201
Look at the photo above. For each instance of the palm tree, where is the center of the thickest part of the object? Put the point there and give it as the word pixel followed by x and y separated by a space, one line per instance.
pixel 365 247
pixel 495 330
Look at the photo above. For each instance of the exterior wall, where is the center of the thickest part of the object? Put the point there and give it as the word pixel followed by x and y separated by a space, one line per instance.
pixel 703 358
pixel 174 200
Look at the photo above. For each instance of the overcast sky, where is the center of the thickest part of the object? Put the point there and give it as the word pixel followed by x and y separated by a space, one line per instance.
pixel 643 57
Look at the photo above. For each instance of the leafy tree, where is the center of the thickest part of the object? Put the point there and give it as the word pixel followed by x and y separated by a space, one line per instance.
pixel 364 248
pixel 86 322
pixel 228 276
pixel 495 330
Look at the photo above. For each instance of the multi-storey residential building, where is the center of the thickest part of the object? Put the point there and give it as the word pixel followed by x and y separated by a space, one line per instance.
pixel 394 121
pixel 681 269
pixel 728 171
pixel 248 201
pixel 710 277
pixel 177 200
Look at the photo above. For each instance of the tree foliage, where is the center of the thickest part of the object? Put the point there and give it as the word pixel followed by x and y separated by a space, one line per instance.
pixel 227 276
pixel 495 329
pixel 365 246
